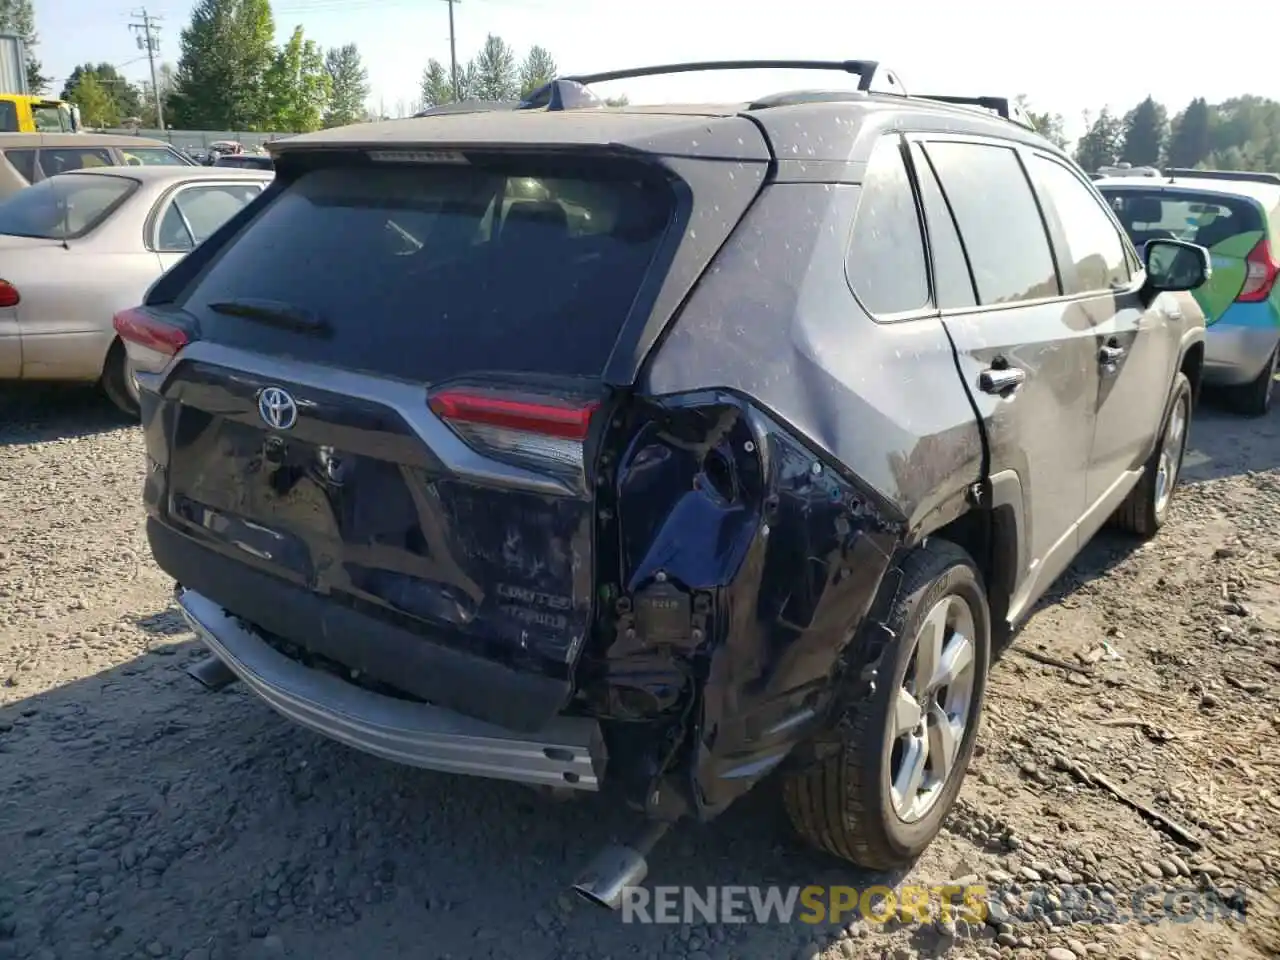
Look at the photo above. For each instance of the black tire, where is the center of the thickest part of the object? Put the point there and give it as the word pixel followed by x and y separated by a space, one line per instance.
pixel 1144 511
pixel 844 804
pixel 1254 399
pixel 117 381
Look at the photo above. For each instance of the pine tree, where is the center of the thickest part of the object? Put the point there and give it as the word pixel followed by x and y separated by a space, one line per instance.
pixel 1145 129
pixel 537 70
pixel 492 74
pixel 1100 146
pixel 1190 142
pixel 437 88
pixel 348 86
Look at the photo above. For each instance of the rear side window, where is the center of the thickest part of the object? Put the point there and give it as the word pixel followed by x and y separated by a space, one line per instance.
pixel 1093 242
pixel 999 221
pixel 9 117
pixel 63 208
pixel 424 272
pixel 24 161
pixel 952 282
pixel 66 159
pixel 152 157
pixel 196 212
pixel 1204 218
pixel 886 265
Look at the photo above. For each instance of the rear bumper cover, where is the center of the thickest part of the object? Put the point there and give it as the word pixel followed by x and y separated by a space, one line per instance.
pixel 409 661
pixel 568 752
pixel 1236 353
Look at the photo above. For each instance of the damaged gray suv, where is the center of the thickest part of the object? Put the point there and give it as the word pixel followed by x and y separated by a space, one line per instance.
pixel 660 450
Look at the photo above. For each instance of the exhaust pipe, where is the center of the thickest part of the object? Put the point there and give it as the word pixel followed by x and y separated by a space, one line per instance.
pixel 617 867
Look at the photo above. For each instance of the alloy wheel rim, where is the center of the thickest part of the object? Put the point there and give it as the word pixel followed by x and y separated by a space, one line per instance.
pixel 1171 455
pixel 931 708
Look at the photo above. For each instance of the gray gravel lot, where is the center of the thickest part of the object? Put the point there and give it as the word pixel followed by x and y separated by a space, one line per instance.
pixel 143 816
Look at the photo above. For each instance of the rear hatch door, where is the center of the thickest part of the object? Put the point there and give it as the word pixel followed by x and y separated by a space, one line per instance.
pixel 1231 227
pixel 394 394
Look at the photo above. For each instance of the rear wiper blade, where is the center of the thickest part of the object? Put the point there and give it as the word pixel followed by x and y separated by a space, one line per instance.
pixel 275 313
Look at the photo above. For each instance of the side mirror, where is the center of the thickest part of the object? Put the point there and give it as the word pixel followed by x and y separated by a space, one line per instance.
pixel 1174 265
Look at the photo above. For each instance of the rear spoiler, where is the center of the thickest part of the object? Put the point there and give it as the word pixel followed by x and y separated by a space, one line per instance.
pixel 1246 176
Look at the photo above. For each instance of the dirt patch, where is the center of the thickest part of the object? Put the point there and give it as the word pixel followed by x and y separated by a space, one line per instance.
pixel 141 816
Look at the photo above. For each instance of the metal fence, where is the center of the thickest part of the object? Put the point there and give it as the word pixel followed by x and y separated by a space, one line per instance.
pixel 198 141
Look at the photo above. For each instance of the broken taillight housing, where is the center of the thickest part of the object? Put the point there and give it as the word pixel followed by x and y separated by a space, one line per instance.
pixel 151 342
pixel 531 430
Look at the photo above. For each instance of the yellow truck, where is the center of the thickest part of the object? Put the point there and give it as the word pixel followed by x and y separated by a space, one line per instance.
pixel 22 113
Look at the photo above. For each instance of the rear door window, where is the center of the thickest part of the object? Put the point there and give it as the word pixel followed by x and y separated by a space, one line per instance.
pixel 56 160
pixel 194 213
pixel 1094 244
pixel 24 161
pixel 886 264
pixel 999 221
pixel 152 157
pixel 953 285
pixel 425 272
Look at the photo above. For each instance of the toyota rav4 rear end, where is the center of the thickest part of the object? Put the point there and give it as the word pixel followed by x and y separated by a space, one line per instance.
pixel 413 490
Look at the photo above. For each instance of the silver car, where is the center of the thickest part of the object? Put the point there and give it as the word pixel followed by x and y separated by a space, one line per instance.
pixel 78 247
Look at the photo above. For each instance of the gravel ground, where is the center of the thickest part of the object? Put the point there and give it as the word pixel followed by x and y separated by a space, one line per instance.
pixel 143 816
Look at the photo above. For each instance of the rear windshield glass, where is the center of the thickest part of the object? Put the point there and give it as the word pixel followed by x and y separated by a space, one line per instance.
pixel 427 272
pixel 1206 219
pixel 64 207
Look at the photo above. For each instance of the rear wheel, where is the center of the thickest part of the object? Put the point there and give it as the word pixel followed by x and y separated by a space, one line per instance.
pixel 882 798
pixel 119 381
pixel 1145 509
pixel 1254 399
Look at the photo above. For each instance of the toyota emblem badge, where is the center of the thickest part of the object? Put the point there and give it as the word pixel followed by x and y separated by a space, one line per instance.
pixel 277 409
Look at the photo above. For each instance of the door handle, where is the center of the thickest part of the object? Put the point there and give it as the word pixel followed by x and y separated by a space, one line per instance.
pixel 1001 380
pixel 1110 354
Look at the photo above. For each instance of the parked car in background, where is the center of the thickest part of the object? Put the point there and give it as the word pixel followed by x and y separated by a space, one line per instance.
pixel 660 447
pixel 245 161
pixel 76 248
pixel 27 158
pixel 1236 215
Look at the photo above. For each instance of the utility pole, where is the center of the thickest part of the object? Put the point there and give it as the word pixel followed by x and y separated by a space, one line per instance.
pixel 149 39
pixel 453 52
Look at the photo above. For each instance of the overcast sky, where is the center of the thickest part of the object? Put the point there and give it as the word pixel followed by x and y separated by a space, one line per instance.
pixel 1065 57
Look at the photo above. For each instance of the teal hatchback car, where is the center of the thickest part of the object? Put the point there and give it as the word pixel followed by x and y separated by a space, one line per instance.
pixel 1236 215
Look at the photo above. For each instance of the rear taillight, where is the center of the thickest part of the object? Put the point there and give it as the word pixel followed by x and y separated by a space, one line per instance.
pixel 1260 273
pixel 532 430
pixel 8 294
pixel 151 342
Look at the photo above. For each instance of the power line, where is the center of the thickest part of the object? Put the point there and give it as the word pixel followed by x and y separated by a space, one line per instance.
pixel 149 39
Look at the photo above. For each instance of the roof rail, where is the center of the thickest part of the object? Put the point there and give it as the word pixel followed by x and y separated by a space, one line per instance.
pixel 1001 106
pixel 568 92
pixel 1249 176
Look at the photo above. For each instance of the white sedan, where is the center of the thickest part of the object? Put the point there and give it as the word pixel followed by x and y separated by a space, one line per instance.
pixel 79 247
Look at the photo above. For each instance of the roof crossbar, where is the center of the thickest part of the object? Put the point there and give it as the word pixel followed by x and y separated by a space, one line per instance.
pixel 571 91
pixel 1001 106
pixel 1248 176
